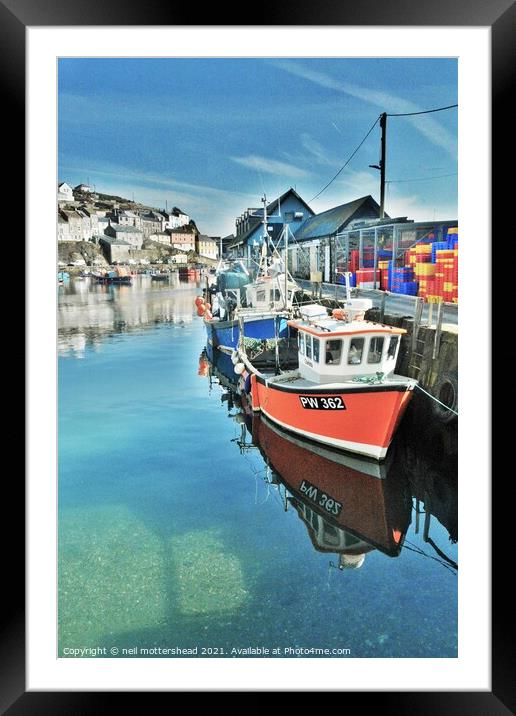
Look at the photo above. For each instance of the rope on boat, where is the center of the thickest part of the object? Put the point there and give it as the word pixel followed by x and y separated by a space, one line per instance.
pixel 371 379
pixel 436 400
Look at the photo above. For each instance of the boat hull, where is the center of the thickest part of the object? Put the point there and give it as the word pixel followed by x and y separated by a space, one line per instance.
pixel 227 333
pixel 360 419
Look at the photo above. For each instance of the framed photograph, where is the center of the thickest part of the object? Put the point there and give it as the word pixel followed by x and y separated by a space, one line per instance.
pixel 175 540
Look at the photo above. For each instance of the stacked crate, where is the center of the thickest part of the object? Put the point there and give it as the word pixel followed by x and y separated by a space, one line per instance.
pixel 403 281
pixel 383 267
pixel 365 278
pixel 430 271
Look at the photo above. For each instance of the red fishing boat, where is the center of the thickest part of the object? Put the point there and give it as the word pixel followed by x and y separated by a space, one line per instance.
pixel 345 392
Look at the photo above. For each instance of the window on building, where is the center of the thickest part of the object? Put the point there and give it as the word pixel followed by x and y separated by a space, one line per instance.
pixel 289 216
pixel 316 345
pixel 393 344
pixel 375 350
pixel 356 348
pixel 333 351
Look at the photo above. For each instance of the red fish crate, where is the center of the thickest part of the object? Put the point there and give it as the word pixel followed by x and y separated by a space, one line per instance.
pixel 384 279
pixel 367 276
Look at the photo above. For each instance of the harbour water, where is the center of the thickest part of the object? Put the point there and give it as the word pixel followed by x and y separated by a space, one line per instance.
pixel 176 533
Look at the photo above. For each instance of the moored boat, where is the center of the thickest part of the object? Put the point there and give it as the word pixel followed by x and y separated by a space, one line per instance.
pixel 119 276
pixel 255 309
pixel 157 276
pixel 344 392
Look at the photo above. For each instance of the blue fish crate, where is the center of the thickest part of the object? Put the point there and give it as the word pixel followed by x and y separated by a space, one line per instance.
pixel 352 280
pixel 438 246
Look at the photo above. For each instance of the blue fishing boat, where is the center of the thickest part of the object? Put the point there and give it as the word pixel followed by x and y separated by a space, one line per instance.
pixel 243 305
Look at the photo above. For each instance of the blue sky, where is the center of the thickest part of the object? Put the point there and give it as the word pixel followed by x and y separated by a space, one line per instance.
pixel 211 135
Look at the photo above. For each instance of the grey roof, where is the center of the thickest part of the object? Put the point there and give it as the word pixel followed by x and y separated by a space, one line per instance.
pixel 114 241
pixel 329 222
pixel 126 229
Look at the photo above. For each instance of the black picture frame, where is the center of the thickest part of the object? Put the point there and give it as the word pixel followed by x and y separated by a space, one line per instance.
pixel 15 17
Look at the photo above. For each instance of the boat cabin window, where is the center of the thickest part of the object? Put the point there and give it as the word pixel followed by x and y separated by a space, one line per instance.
pixel 393 344
pixel 356 348
pixel 277 295
pixel 331 535
pixel 316 343
pixel 260 295
pixel 301 342
pixel 333 351
pixel 375 350
pixel 308 346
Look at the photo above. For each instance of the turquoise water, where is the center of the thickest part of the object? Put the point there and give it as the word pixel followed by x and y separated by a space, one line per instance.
pixel 170 536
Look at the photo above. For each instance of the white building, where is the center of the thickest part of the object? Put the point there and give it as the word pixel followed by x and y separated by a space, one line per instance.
pixel 63 229
pixel 206 246
pixel 161 237
pixel 64 192
pixel 177 218
pixel 74 221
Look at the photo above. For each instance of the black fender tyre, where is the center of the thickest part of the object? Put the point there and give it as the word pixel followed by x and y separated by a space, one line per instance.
pixel 445 390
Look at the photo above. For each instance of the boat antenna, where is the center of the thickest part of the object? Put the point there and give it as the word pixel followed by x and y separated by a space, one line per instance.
pixel 348 289
pixel 286 229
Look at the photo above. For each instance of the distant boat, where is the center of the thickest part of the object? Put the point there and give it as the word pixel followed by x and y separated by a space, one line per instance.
pixel 157 276
pixel 119 276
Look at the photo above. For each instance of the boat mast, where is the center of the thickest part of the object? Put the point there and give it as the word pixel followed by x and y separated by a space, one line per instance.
pixel 286 229
pixel 265 236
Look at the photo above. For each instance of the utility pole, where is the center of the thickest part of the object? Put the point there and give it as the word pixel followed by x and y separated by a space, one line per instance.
pixel 383 126
pixel 381 166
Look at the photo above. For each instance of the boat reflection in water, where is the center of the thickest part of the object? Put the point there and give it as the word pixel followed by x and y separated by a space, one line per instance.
pixel 349 504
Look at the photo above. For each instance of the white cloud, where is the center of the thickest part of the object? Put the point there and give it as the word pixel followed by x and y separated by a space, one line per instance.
pixel 427 125
pixel 271 166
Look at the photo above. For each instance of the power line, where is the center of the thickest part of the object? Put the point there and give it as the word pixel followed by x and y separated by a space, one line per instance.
pixel 347 161
pixel 426 111
pixel 401 181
